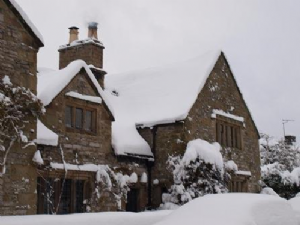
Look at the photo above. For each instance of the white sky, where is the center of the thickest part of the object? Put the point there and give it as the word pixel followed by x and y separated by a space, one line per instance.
pixel 261 39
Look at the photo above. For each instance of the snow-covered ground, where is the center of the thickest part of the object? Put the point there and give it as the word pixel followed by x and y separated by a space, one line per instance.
pixel 222 209
pixel 234 209
pixel 106 218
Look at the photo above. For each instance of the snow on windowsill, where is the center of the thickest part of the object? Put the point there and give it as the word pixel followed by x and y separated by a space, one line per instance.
pixel 228 115
pixel 85 167
pixel 89 98
pixel 244 173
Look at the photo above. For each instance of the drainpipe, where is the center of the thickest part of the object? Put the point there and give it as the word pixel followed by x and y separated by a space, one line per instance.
pixel 149 167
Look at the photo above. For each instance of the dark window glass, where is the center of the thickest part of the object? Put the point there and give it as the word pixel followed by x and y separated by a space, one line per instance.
pixel 228 135
pixel 79 196
pixel 1 15
pixel 68 116
pixel 88 120
pixel 65 202
pixel 79 115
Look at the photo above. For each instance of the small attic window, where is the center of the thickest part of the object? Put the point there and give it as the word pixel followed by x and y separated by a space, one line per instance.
pixel 1 15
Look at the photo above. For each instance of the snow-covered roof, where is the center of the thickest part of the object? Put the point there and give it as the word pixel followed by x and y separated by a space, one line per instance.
pixel 51 83
pixel 27 20
pixel 154 96
pixel 127 141
pixel 159 95
pixel 45 136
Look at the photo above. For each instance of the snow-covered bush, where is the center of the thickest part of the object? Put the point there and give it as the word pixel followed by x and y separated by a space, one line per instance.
pixel 280 168
pixel 198 172
pixel 108 180
pixel 18 106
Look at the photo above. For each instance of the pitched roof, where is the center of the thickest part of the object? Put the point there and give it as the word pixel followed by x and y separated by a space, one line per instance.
pixel 159 95
pixel 26 21
pixel 51 83
pixel 154 96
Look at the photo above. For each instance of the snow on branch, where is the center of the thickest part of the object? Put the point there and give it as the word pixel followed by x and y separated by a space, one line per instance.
pixel 18 108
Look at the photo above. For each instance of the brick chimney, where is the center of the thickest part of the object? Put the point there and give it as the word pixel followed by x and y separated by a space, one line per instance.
pixel 89 49
pixel 73 34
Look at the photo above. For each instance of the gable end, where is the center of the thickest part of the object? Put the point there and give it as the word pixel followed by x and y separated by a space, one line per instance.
pixel 24 23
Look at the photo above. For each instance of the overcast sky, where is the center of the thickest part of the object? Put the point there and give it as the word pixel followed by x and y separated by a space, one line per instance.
pixel 260 38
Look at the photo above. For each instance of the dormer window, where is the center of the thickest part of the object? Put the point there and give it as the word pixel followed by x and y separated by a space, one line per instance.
pixel 80 119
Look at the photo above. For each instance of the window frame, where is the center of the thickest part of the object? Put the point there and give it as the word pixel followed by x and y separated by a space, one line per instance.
pixel 82 129
pixel 228 132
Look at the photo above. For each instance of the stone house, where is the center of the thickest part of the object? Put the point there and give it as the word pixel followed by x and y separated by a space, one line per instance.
pixel 102 127
pixel 173 105
pixel 19 43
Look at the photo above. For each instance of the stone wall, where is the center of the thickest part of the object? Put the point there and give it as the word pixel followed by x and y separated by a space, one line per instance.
pixel 18 60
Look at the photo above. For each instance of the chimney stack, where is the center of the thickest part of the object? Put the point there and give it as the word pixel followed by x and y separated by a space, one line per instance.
pixel 93 27
pixel 73 34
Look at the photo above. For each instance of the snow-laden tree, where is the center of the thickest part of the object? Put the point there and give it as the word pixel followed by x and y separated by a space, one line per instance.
pixel 198 172
pixel 280 166
pixel 18 106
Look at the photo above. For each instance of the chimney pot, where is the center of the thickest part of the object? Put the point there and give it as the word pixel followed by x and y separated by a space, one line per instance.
pixel 93 27
pixel 73 34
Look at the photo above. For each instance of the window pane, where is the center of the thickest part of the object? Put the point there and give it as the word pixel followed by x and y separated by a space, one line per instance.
pixel 88 120
pixel 79 114
pixel 68 116
pixel 79 196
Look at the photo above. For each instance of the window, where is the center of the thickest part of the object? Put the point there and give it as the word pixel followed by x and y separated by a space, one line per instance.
pixel 72 195
pixel 1 15
pixel 238 185
pixel 228 135
pixel 80 119
pixel 69 116
pixel 88 120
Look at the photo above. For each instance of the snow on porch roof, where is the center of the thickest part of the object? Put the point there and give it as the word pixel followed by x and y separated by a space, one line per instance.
pixel 159 95
pixel 51 83
pixel 45 136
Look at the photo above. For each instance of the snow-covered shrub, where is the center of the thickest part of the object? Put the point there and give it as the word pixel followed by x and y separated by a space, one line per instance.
pixel 198 172
pixel 280 168
pixel 18 106
pixel 107 180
